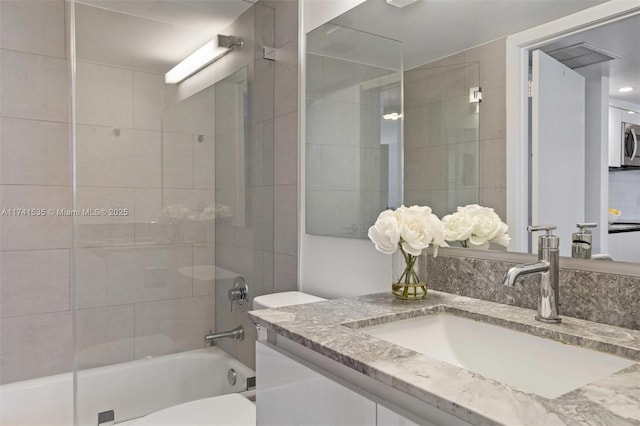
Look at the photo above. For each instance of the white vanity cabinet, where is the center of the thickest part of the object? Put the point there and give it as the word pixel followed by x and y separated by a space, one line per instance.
pixel 290 393
pixel 295 390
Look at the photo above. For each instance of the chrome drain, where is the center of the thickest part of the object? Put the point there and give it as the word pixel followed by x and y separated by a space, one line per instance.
pixel 231 376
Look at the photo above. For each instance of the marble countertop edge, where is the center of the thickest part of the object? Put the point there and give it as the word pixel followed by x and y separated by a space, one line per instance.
pixel 331 329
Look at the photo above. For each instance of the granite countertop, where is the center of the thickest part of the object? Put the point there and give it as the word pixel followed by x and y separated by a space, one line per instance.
pixel 320 326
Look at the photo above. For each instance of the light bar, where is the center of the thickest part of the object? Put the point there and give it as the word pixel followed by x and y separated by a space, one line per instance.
pixel 207 54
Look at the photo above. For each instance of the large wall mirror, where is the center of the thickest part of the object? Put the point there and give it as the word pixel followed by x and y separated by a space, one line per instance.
pixel 454 146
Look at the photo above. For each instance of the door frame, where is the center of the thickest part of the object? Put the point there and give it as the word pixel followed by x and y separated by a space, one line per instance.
pixel 517 108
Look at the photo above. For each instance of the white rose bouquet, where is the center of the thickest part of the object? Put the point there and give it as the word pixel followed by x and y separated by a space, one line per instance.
pixel 476 226
pixel 410 230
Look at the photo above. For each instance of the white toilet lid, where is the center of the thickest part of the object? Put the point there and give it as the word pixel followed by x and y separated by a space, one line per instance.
pixel 225 410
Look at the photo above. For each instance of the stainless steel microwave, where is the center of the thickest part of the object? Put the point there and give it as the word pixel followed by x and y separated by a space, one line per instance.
pixel 630 148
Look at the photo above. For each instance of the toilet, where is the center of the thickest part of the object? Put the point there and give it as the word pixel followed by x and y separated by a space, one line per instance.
pixel 286 298
pixel 279 300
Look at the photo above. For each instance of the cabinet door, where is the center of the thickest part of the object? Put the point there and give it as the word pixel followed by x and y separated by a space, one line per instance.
pixel 615 136
pixel 290 393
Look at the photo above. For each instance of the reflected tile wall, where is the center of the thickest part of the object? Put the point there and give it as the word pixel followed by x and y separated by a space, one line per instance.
pixel 441 130
pixel 346 157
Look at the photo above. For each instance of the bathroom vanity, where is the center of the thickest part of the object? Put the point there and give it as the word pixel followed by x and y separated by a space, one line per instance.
pixel 447 360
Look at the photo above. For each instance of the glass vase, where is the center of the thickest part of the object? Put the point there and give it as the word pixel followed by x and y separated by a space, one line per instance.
pixel 408 280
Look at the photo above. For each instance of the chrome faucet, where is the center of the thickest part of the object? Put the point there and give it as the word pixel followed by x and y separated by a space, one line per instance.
pixel 548 266
pixel 237 333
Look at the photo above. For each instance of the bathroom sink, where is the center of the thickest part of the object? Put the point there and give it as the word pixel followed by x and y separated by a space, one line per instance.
pixel 525 362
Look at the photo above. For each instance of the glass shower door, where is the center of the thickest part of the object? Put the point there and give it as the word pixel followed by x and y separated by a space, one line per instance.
pixel 177 184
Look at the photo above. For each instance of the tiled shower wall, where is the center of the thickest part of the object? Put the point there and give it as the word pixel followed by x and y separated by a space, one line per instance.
pixel 425 120
pixel 35 299
pixel 273 172
pixel 116 322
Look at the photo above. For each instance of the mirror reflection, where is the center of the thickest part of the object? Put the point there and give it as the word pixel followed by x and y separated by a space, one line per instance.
pixel 354 125
pixel 454 149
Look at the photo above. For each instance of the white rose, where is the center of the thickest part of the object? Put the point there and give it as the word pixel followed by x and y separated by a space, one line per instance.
pixel 477 225
pixel 419 228
pixel 484 228
pixel 502 238
pixel 414 229
pixel 385 233
pixel 458 227
pixel 439 233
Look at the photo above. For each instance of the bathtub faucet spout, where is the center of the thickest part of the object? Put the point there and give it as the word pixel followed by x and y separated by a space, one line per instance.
pixel 236 333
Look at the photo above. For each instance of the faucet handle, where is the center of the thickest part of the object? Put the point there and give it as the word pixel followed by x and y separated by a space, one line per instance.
pixel 547 228
pixel 547 241
pixel 582 226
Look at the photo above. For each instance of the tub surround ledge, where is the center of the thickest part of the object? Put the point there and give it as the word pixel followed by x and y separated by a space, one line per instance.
pixel 331 329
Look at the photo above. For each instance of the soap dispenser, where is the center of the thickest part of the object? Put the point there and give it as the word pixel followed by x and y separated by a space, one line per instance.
pixel 581 241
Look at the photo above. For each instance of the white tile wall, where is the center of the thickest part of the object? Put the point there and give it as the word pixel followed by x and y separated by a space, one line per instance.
pixel 35 26
pixel 285 225
pixel 177 160
pixel 286 79
pixel 35 346
pixel 286 149
pixel 118 157
pixel 33 87
pixel 105 335
pixel 34 152
pixel 34 282
pixel 36 325
pixel 104 95
pixel 35 232
pixel 204 175
pixel 148 100
pixel 117 286
pixel 172 325
pixel 111 276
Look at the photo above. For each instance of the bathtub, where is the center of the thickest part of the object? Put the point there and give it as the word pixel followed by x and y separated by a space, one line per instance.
pixel 132 389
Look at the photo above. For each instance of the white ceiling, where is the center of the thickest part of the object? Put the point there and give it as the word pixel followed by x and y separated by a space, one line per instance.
pixel 151 35
pixel 623 39
pixel 432 29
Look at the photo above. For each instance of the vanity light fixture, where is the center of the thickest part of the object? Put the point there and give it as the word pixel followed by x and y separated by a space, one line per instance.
pixel 625 89
pixel 207 54
pixel 631 112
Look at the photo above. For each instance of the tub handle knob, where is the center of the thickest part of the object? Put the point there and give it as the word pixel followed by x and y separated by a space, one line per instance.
pixel 239 294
